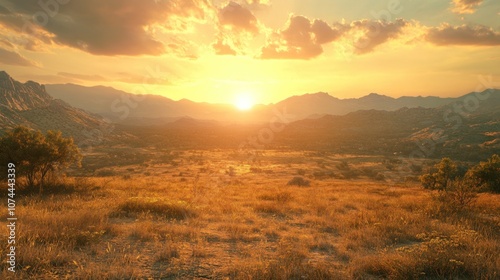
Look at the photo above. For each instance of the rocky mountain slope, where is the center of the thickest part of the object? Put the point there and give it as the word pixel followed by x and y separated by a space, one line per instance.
pixel 29 104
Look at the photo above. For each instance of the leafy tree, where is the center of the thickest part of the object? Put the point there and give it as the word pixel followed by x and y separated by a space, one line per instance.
pixel 440 175
pixel 487 174
pixel 36 155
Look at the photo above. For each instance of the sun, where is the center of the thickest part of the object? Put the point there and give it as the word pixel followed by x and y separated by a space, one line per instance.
pixel 244 101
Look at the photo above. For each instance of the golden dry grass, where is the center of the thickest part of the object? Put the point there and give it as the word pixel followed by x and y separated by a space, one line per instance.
pixel 251 225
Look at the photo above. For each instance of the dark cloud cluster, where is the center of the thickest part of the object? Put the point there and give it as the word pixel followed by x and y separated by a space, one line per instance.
pixel 376 33
pixel 463 35
pixel 301 39
pixel 235 23
pixel 304 39
pixel 112 27
pixel 130 27
pixel 238 18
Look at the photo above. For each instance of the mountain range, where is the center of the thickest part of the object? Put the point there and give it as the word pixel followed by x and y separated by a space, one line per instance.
pixel 467 129
pixel 467 126
pixel 123 107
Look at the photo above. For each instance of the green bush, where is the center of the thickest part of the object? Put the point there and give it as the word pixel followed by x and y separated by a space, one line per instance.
pixel 440 175
pixel 487 174
pixel 35 155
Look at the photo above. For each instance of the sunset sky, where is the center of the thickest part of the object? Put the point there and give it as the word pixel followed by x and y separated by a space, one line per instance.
pixel 214 51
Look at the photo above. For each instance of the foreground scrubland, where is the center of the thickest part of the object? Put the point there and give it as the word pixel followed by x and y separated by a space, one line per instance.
pixel 208 215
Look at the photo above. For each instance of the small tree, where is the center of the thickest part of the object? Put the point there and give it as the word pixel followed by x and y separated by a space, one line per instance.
pixel 487 174
pixel 462 193
pixel 36 155
pixel 440 175
pixel 456 193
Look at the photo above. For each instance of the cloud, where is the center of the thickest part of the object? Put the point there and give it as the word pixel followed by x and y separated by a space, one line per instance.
pixel 82 77
pixel 301 39
pixel 4 10
pixel 132 78
pixel 113 27
pixel 238 18
pixel 478 35
pixel 465 6
pixel 376 33
pixel 6 43
pixel 236 25
pixel 304 39
pixel 258 4
pixel 124 77
pixel 13 58
pixel 222 47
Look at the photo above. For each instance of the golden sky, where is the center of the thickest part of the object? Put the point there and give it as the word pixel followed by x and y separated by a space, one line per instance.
pixel 213 51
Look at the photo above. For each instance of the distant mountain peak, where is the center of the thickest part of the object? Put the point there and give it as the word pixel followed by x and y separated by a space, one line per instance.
pixel 320 94
pixel 4 75
pixel 312 96
pixel 5 80
pixel 373 95
pixel 21 97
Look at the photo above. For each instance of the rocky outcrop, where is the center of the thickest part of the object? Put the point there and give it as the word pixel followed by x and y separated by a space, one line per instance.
pixel 29 104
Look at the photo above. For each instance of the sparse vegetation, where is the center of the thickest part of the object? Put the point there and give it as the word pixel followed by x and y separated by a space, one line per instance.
pixel 213 226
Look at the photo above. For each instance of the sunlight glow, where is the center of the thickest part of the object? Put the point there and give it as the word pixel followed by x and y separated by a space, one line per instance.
pixel 244 101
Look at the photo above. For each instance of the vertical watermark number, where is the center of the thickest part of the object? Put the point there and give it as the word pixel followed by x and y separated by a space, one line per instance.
pixel 11 218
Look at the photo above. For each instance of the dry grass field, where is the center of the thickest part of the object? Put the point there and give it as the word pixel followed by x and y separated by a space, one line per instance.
pixel 211 215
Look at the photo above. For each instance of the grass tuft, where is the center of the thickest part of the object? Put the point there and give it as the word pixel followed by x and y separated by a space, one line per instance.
pixel 164 208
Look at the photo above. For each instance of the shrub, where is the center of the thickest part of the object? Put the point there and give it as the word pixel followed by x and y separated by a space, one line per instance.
pixel 350 174
pixel 439 176
pixel 299 181
pixel 231 171
pixel 460 195
pixel 487 174
pixel 167 253
pixel 105 172
pixel 343 165
pixel 379 177
pixel 320 175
